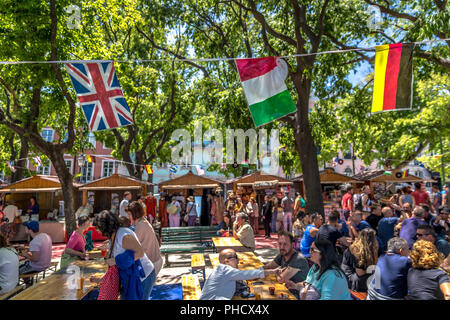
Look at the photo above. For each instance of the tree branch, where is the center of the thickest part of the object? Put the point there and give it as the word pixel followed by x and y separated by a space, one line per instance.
pixel 392 12
pixel 440 61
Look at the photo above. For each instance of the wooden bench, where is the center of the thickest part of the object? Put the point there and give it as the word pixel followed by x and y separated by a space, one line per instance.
pixel 198 264
pixel 14 291
pixel 30 277
pixel 186 239
pixel 358 295
pixel 191 287
pixel 53 266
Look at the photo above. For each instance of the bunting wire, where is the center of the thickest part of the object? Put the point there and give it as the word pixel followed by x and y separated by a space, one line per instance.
pixel 207 59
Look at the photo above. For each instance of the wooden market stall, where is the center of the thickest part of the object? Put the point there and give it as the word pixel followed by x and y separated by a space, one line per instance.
pixel 379 182
pixel 330 181
pixel 187 182
pixel 47 190
pixel 106 193
pixel 259 184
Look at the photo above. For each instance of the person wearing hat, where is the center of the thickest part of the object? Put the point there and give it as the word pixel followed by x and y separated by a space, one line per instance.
pixel 40 254
pixel 191 211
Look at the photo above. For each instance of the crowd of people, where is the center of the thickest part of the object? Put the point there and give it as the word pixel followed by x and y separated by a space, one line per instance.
pixel 388 251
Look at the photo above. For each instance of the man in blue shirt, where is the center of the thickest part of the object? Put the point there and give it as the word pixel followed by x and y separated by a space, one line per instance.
pixel 409 226
pixel 391 273
pixel 387 225
pixel 357 224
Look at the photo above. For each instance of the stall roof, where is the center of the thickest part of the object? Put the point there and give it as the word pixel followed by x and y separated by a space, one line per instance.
pixel 37 183
pixel 259 177
pixel 116 182
pixel 329 176
pixel 190 181
pixel 379 176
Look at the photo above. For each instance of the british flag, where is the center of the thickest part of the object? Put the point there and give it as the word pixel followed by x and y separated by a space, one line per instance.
pixel 100 95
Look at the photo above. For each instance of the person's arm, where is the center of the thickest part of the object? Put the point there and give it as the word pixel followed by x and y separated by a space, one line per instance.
pixel 413 202
pixel 400 201
pixel 445 288
pixel 130 243
pixel 34 256
pixel 287 274
pixel 236 274
pixel 313 232
pixel 235 234
pixel 350 205
pixel 73 252
pixel 271 265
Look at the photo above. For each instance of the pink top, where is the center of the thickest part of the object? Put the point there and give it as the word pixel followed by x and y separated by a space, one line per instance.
pixel 146 235
pixel 76 242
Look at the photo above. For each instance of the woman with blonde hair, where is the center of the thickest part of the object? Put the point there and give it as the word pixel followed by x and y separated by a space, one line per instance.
pixel 426 280
pixel 361 254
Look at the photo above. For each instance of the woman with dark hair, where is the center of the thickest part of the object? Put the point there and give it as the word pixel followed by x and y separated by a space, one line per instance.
pixel 325 277
pixel 33 207
pixel 75 248
pixel 225 225
pixel 361 254
pixel 406 197
pixel 122 239
pixel 146 235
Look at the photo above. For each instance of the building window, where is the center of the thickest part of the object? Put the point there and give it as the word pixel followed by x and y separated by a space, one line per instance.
pixel 47 135
pixel 87 172
pixel 91 138
pixel 108 168
pixel 44 170
pixel 69 165
pixel 419 174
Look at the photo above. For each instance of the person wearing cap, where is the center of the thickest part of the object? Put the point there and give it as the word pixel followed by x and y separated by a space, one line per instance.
pixel 40 254
pixel 191 211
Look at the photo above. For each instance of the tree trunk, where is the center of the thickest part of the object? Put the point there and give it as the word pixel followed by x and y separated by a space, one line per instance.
pixel 67 190
pixel 21 164
pixel 306 148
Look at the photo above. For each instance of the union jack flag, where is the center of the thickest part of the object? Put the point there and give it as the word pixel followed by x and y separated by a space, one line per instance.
pixel 100 95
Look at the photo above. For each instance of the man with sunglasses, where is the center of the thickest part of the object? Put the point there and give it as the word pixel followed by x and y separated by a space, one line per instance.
pixel 221 284
pixel 427 233
pixel 409 226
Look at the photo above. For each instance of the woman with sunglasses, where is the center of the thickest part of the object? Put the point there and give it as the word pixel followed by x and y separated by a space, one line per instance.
pixel 325 275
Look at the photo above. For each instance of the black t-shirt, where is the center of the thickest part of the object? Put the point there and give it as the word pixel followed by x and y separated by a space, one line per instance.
pixel 330 233
pixel 425 284
pixel 373 220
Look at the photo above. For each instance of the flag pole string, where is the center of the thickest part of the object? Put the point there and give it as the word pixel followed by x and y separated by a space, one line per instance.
pixel 207 59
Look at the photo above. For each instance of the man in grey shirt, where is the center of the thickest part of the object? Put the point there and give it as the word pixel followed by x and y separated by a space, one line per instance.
pixel 221 284
pixel 294 265
pixel 123 205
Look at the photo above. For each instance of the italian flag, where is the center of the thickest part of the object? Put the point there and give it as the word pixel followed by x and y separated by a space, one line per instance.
pixel 264 87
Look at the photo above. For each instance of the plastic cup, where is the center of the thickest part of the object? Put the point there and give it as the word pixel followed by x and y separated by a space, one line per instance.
pixel 257 291
pixel 272 291
pixel 81 283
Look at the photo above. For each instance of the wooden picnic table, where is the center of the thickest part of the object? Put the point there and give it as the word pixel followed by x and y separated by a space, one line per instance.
pixel 56 286
pixel 247 260
pixel 221 243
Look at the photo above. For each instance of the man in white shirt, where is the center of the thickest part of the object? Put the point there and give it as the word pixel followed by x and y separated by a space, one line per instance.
pixel 11 211
pixel 40 254
pixel 221 284
pixel 123 205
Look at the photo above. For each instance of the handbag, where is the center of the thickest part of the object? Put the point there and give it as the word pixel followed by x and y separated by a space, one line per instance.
pixel 110 286
pixel 309 292
pixel 172 209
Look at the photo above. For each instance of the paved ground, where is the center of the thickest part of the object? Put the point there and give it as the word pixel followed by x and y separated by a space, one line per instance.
pixel 180 264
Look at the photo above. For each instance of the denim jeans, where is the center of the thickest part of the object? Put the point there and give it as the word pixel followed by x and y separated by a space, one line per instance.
pixel 274 222
pixel 147 285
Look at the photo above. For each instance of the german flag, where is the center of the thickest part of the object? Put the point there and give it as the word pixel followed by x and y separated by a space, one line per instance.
pixel 90 158
pixel 393 77
pixel 405 173
pixel 149 169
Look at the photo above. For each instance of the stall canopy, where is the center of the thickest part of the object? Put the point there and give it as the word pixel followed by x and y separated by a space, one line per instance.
pixel 379 176
pixel 189 181
pixel 259 179
pixel 116 182
pixel 45 188
pixel 328 176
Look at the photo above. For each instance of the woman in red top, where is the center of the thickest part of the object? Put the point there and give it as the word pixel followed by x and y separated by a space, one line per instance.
pixel 150 202
pixel 347 202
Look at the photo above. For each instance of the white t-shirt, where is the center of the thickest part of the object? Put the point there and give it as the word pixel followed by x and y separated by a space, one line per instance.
pixel 42 243
pixel 11 212
pixel 122 207
pixel 9 269
pixel 147 265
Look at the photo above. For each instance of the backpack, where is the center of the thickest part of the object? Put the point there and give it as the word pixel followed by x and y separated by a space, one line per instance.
pixel 358 202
